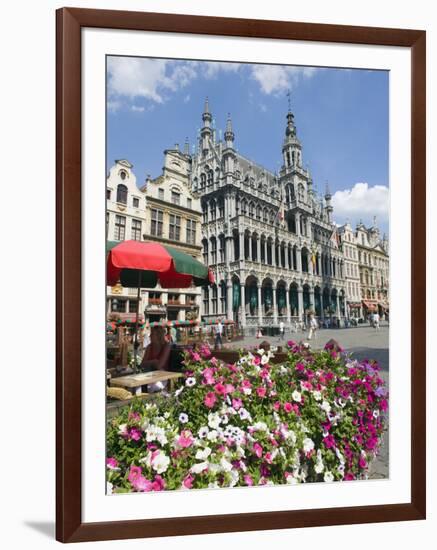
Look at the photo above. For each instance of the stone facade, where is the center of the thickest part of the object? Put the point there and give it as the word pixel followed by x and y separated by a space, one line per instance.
pixel 373 257
pixel 268 237
pixel 351 270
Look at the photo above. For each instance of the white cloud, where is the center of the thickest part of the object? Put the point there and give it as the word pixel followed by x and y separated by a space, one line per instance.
pixel 148 78
pixel 137 109
pixel 211 69
pixel 362 202
pixel 276 79
pixel 187 98
pixel 155 79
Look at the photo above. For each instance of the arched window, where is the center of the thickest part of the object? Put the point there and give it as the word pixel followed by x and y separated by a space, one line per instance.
pixel 213 210
pixel 210 177
pixel 288 158
pixel 244 207
pixel 122 194
pixel 258 212
pixel 251 210
pixel 265 215
pixel 301 192
pixel 202 181
pixel 272 216
pixel 221 207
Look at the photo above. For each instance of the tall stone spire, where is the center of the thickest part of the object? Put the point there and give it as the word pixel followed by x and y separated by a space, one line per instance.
pixel 229 133
pixel 291 149
pixel 206 130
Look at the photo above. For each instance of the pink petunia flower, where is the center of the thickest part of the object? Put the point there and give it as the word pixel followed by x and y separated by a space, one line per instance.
pixel 112 463
pixel 134 473
pixel 237 404
pixel 261 391
pixel 142 484
pixel 220 388
pixel 248 480
pixel 210 400
pixel 185 439
pixel 188 481
pixel 258 450
pixel 288 407
pixel 158 484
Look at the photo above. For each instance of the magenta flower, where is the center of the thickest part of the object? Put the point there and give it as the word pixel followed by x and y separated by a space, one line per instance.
pixel 258 450
pixel 261 392
pixel 135 434
pixel 112 463
pixel 185 440
pixel 158 484
pixel 210 400
pixel 134 473
pixel 220 388
pixel 237 404
pixel 288 407
pixel 142 484
pixel 256 360
pixel 188 481
pixel 277 405
pixel 329 441
pixel 248 480
pixel 196 356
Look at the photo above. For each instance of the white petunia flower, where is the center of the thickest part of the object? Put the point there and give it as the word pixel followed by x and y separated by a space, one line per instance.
pixel 325 406
pixel 212 435
pixel 308 445
pixel 226 466
pixel 183 418
pixel 244 414
pixel 375 414
pixel 328 477
pixel 179 391
pixel 122 429
pixel 317 395
pixel 264 359
pixel 203 454
pixel 203 432
pixel 319 467
pixel 190 382
pixel 213 420
pixel 200 467
pixel 260 427
pixel 296 396
pixel 160 462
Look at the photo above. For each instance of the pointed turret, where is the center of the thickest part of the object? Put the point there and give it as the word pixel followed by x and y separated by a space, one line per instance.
pixel 229 133
pixel 291 149
pixel 328 207
pixel 206 130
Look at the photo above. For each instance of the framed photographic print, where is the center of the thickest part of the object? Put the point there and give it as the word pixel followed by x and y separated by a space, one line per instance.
pixel 240 275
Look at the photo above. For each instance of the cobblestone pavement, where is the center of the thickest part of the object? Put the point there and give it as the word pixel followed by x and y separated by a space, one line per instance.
pixel 363 342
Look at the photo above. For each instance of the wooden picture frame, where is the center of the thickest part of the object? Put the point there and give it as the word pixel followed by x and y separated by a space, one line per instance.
pixel 69 525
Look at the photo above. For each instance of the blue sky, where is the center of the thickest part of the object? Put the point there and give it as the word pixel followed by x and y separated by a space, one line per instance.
pixel 341 117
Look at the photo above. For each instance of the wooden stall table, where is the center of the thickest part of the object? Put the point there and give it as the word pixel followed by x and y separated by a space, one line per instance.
pixel 134 382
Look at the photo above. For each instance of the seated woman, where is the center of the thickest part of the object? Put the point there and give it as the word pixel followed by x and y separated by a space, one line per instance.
pixel 157 353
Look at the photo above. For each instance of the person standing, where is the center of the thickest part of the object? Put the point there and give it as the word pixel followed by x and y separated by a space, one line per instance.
pixel 218 334
pixel 281 330
pixel 376 321
pixel 313 326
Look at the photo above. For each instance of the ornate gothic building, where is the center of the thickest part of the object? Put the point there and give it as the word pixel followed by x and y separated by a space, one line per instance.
pixel 268 237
